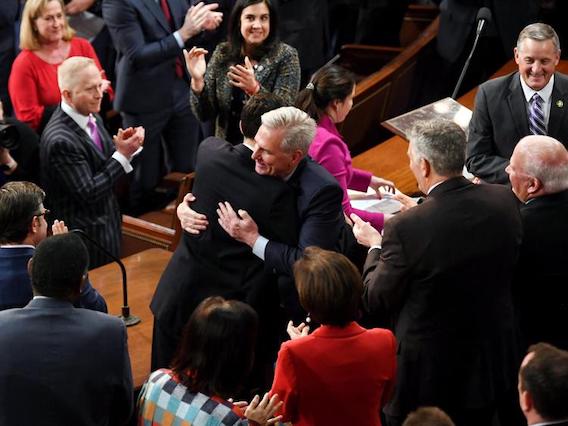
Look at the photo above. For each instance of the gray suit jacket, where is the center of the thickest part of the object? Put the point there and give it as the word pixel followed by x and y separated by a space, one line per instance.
pixel 500 120
pixel 78 179
pixel 63 366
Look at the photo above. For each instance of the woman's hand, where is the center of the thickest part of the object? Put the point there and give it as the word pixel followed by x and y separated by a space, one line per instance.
pixel 296 332
pixel 377 183
pixel 242 76
pixel 261 412
pixel 196 66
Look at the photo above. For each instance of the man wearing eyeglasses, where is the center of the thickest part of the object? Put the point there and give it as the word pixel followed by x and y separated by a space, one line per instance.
pixel 23 226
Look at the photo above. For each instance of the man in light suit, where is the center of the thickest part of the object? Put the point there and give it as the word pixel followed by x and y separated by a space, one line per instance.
pixel 543 386
pixel 503 106
pixel 443 274
pixel 79 164
pixel 212 263
pixel 152 88
pixel 23 225
pixel 538 172
pixel 60 365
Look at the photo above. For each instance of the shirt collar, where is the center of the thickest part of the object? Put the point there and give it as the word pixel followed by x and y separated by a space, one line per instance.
pixel 545 93
pixel 80 119
pixel 17 246
pixel 549 423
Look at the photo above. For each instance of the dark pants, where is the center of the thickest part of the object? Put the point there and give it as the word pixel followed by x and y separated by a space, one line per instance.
pixel 181 135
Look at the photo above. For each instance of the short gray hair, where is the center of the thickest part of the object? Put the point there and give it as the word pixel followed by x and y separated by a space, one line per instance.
pixel 546 159
pixel 69 71
pixel 539 32
pixel 442 143
pixel 299 128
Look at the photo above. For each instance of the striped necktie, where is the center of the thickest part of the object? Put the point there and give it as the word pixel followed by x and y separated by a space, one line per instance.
pixel 536 116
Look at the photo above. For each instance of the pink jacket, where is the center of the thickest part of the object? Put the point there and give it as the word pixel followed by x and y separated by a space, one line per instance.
pixel 329 150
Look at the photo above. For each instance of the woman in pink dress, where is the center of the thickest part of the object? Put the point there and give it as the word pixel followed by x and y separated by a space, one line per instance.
pixel 328 98
pixel 46 40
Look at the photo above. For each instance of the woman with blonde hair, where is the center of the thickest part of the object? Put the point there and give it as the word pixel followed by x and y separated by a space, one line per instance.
pixel 46 40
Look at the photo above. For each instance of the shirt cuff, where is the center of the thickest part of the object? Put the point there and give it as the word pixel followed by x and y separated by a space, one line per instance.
pixel 179 40
pixel 259 246
pixel 378 246
pixel 124 162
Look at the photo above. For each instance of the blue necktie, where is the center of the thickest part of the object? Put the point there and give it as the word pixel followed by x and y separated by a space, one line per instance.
pixel 536 116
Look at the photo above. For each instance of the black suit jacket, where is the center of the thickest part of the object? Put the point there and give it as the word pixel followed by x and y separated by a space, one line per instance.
pixel 444 275
pixel 542 277
pixel 147 50
pixel 78 179
pixel 63 366
pixel 213 263
pixel 500 120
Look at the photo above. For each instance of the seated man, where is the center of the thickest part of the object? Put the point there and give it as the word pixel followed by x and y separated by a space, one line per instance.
pixel 539 178
pixel 60 365
pixel 22 227
pixel 543 386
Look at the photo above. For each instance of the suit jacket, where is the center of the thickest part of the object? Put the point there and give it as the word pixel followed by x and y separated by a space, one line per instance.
pixel 147 51
pixel 542 267
pixel 79 179
pixel 336 375
pixel 444 275
pixel 16 286
pixel 500 120
pixel 63 366
pixel 213 263
pixel 319 213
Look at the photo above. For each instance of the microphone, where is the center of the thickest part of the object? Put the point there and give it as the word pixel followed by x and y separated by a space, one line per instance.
pixel 129 320
pixel 483 17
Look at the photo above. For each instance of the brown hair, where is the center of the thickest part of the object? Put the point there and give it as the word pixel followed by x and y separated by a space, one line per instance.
pixel 329 286
pixel 217 348
pixel 19 203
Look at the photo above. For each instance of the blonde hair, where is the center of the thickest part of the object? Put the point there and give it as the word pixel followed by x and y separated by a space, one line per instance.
pixel 29 37
pixel 70 70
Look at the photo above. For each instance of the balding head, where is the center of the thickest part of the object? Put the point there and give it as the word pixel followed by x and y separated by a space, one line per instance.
pixel 539 166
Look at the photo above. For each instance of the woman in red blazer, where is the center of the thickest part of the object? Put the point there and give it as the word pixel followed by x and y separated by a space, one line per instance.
pixel 342 373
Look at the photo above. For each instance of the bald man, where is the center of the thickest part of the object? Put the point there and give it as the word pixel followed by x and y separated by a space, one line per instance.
pixel 538 172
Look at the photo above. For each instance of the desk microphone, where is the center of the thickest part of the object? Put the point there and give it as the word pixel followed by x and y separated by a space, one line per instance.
pixel 483 17
pixel 129 320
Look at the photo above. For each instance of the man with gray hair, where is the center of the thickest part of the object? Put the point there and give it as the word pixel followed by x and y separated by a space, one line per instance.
pixel 80 164
pixel 538 172
pixel 442 272
pixel 529 101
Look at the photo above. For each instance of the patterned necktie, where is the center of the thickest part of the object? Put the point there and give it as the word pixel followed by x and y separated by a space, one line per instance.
pixel 536 116
pixel 94 132
pixel 165 8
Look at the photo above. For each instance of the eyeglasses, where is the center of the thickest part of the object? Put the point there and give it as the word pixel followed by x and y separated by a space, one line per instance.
pixel 43 213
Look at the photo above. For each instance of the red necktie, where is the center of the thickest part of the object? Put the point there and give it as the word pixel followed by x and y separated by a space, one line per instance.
pixel 168 15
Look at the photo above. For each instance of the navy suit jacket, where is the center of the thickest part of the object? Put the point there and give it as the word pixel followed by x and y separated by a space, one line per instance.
pixel 320 215
pixel 78 179
pixel 500 120
pixel 444 275
pixel 63 366
pixel 147 52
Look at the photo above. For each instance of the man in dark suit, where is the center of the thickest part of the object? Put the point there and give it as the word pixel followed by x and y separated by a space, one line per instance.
pixel 212 263
pixel 71 365
pixel 282 144
pixel 543 386
pixel 152 86
pixel 533 100
pixel 79 164
pixel 444 275
pixel 538 172
pixel 23 226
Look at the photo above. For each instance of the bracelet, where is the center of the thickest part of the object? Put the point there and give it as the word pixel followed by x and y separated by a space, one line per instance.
pixel 255 90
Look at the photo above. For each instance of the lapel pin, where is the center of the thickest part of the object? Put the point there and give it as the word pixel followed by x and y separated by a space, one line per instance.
pixel 559 103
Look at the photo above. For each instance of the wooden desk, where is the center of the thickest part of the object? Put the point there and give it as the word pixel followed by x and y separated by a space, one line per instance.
pixel 389 159
pixel 143 271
